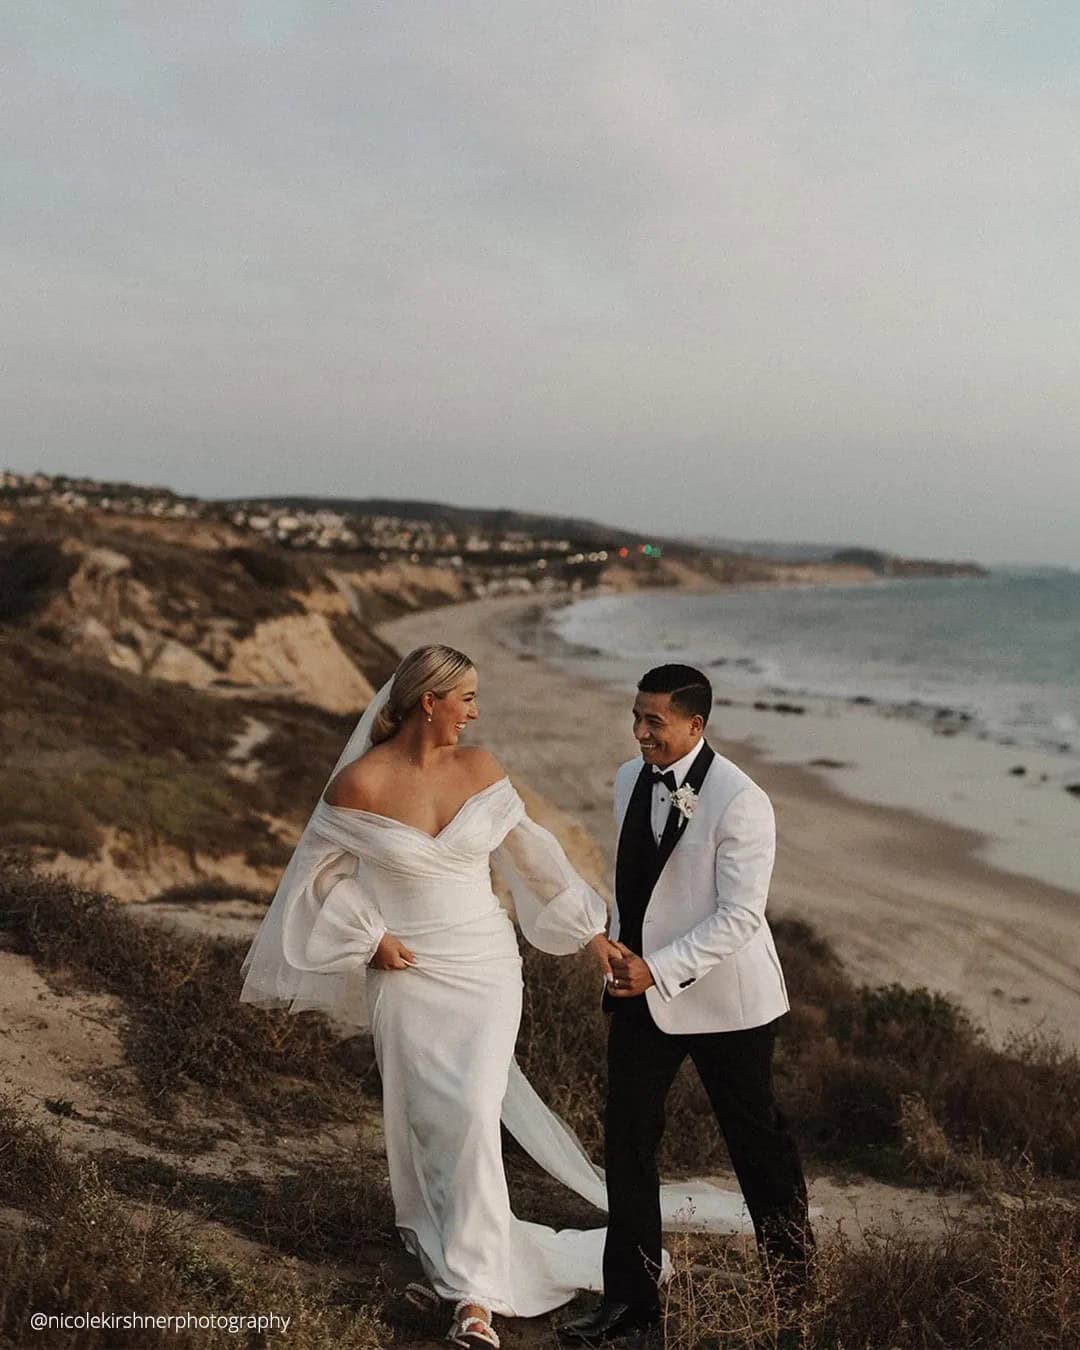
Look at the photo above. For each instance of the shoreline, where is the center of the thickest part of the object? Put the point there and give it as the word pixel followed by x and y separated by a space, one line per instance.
pixel 902 895
pixel 915 755
pixel 944 712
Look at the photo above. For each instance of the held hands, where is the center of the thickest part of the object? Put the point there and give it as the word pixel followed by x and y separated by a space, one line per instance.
pixel 630 975
pixel 626 974
pixel 603 951
pixel 392 954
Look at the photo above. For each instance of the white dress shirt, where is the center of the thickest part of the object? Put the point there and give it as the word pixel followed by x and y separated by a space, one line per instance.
pixel 661 797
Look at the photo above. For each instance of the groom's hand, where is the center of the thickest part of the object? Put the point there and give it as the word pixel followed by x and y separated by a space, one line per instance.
pixel 630 975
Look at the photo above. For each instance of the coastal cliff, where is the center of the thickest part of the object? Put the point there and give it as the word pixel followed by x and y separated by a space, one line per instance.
pixel 174 691
pixel 208 654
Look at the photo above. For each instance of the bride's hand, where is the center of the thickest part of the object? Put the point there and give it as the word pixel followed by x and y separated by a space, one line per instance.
pixel 602 949
pixel 392 954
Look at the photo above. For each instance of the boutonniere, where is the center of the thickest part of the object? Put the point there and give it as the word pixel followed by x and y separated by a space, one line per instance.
pixel 684 800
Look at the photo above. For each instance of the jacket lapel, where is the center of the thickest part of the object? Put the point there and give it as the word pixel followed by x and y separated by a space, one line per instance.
pixel 637 820
pixel 676 821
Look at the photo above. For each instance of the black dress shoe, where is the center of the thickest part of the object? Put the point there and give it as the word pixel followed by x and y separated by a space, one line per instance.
pixel 608 1322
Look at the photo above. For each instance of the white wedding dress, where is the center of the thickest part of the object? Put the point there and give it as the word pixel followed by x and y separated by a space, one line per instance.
pixel 444 1032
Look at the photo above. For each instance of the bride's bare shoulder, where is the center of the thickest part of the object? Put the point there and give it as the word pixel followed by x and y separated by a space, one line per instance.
pixel 479 767
pixel 356 786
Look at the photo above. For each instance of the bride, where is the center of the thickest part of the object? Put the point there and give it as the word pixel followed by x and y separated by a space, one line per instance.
pixel 385 915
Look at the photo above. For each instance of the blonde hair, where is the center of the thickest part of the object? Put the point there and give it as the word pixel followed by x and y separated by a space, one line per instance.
pixel 432 669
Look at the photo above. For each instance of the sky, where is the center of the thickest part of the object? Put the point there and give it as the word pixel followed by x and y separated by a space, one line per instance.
pixel 800 271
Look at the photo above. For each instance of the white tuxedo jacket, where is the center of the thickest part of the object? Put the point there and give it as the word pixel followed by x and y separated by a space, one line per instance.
pixel 704 935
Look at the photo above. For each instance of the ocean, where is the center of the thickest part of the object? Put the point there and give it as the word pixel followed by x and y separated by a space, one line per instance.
pixel 997 657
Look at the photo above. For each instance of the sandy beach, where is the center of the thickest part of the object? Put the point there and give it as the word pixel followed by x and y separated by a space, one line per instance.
pixel 903 894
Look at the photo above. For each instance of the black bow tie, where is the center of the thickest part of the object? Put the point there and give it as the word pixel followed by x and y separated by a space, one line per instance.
pixel 667 778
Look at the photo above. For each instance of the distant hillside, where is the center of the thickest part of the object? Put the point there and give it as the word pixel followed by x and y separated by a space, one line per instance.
pixel 888 565
pixel 458 517
pixel 567 550
pixel 878 561
pixel 591 534
pixel 780 550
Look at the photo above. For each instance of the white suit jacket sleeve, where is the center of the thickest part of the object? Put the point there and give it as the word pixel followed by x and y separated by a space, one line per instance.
pixel 745 851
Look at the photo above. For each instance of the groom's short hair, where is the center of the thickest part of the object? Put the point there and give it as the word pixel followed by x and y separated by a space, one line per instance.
pixel 690 691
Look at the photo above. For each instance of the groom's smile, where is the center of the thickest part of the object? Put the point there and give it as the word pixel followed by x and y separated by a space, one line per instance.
pixel 664 734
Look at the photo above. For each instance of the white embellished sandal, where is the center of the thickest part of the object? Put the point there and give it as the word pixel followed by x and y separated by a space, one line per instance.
pixel 422 1296
pixel 473 1331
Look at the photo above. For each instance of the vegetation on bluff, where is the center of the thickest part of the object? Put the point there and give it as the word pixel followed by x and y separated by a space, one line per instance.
pixel 85 747
pixel 895 1081
pixel 79 1246
pixel 232 1158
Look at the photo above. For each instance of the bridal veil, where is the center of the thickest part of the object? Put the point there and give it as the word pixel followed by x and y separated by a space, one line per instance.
pixel 271 979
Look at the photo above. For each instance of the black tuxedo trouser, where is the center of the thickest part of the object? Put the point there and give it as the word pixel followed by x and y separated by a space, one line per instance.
pixel 736 1070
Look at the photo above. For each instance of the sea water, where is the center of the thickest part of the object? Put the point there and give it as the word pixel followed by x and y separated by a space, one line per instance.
pixel 998 656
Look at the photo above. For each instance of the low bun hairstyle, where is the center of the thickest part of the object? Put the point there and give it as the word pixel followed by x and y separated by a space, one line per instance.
pixel 435 669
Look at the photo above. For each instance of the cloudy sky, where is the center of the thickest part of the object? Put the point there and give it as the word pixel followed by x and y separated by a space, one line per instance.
pixel 800 270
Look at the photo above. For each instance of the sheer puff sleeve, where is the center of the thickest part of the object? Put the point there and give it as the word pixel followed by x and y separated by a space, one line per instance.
pixel 556 910
pixel 317 937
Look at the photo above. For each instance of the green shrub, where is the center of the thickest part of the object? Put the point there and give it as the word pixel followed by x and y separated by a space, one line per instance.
pixel 911 1026
pixel 270 568
pixel 848 1060
pixel 32 571
pixel 849 1056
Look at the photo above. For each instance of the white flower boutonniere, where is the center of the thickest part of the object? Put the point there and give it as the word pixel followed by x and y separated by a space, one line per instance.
pixel 684 800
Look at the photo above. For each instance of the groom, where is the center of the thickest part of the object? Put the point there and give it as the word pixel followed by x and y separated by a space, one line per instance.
pixel 698 975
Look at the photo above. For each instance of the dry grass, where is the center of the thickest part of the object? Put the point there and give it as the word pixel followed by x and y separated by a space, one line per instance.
pixel 561 1045
pixel 1011 1283
pixel 325 1209
pixel 858 1066
pixel 84 746
pixel 297 757
pixel 79 1247
pixel 99 1235
pixel 184 1024
pixel 57 701
pixel 208 893
pixel 894 1082
pixel 851 1062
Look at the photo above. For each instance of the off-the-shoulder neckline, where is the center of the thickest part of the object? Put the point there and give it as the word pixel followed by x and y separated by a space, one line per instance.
pixel 404 825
